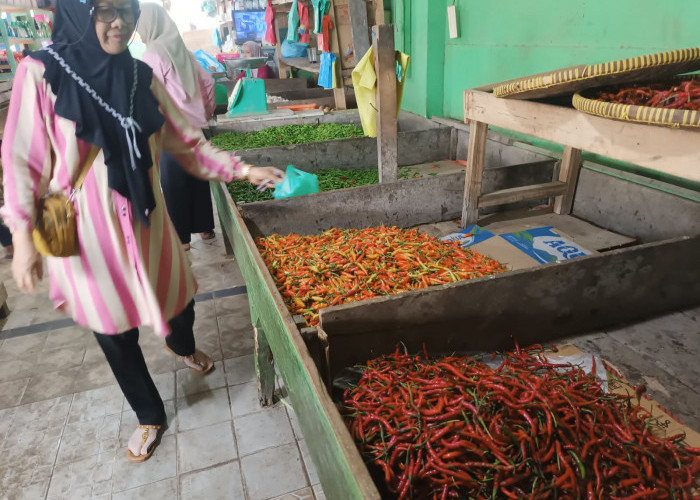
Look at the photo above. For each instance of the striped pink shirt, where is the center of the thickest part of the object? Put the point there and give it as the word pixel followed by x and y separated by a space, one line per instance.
pixel 127 274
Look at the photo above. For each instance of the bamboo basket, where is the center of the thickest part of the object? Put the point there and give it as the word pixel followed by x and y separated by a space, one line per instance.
pixel 650 67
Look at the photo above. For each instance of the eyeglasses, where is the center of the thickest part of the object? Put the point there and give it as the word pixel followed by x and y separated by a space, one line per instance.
pixel 109 14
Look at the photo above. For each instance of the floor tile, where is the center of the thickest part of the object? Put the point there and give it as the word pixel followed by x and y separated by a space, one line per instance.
pixel 204 309
pixel 61 358
pixel 83 478
pixel 161 465
pixel 244 399
pixel 318 492
pixel 96 403
pixel 308 462
pixel 11 392
pixel 203 408
pixel 295 423
pixel 94 376
pixel 85 438
pixel 6 417
pixel 236 336
pixel 189 382
pixel 165 383
pixel 166 489
pixel 23 346
pixel 206 333
pixel 16 368
pixel 50 385
pixel 222 482
pixel 70 336
pixel 305 494
pixel 240 370
pixel 282 463
pixel 237 304
pixel 205 446
pixel 264 429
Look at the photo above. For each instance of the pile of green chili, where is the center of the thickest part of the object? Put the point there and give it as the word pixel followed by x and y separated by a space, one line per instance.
pixel 286 135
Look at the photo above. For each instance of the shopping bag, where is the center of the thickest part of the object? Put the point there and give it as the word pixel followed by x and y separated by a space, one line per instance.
pixel 296 183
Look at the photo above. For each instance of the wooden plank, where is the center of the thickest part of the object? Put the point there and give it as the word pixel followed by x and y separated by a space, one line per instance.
pixel 511 195
pixel 568 173
pixel 475 172
pixel 360 28
pixel 355 153
pixel 451 123
pixel 584 294
pixel 339 96
pixel 339 464
pixel 303 63
pixel 403 204
pixel 667 150
pixel 385 67
pixel 264 366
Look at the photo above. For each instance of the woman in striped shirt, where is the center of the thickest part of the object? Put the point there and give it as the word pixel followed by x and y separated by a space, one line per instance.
pixel 84 101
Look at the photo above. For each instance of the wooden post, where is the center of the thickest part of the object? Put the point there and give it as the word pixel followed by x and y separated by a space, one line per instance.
pixel 568 173
pixel 264 367
pixel 360 28
pixel 387 133
pixel 475 172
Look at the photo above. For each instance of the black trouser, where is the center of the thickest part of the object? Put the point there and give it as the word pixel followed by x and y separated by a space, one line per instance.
pixel 124 356
pixel 187 199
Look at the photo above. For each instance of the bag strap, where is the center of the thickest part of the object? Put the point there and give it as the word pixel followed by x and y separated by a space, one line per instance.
pixel 86 167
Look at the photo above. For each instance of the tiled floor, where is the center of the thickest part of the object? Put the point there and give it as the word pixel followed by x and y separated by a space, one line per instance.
pixel 64 423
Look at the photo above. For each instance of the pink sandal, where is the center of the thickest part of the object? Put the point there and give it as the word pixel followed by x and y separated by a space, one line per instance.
pixel 198 362
pixel 144 438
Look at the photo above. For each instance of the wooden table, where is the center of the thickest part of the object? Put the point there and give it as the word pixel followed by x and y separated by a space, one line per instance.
pixel 662 149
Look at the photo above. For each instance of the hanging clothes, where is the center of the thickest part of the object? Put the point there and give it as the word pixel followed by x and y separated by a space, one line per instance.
pixel 318 15
pixel 364 81
pixel 269 23
pixel 293 23
pixel 324 41
pixel 304 28
pixel 325 75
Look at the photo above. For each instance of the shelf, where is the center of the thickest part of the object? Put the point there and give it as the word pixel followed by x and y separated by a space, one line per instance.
pixel 21 40
pixel 302 63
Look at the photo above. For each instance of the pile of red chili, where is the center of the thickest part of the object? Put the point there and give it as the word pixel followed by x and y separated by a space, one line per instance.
pixel 685 95
pixel 338 266
pixel 454 428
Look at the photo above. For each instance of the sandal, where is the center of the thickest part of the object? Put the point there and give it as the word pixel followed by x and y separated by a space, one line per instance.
pixel 208 235
pixel 142 457
pixel 198 362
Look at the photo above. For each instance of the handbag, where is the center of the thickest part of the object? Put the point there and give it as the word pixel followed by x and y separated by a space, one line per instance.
pixel 55 232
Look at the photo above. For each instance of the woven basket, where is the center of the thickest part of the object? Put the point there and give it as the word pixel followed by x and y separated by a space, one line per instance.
pixel 576 78
pixel 677 118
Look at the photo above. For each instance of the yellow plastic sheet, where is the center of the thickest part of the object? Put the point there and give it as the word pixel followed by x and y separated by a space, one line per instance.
pixel 364 81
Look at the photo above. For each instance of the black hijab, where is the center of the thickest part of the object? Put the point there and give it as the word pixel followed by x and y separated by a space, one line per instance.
pixel 125 145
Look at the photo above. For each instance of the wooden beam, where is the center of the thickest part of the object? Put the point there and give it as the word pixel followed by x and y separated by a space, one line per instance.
pixel 360 28
pixel 663 149
pixel 475 172
pixel 339 96
pixel 522 193
pixel 450 122
pixel 387 131
pixel 568 173
pixel 264 367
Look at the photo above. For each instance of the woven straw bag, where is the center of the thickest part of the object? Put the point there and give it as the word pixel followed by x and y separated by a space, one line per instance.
pixel 55 232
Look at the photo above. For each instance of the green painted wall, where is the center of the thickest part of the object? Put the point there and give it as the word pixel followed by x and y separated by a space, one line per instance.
pixel 511 38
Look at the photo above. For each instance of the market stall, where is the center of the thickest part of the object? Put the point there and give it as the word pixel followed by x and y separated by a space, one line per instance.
pixel 312 335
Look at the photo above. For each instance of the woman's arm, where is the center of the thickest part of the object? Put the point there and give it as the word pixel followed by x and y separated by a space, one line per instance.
pixel 196 155
pixel 27 165
pixel 206 86
pixel 26 150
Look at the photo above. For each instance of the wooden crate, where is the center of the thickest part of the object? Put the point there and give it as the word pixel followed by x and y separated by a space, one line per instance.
pixel 420 140
pixel 544 303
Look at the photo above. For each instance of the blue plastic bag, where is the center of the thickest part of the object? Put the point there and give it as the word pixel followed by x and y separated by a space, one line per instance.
pixel 296 183
pixel 208 62
pixel 293 49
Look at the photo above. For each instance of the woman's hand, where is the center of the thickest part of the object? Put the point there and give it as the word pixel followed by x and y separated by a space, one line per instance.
pixel 26 262
pixel 265 176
